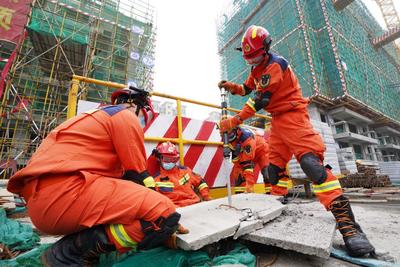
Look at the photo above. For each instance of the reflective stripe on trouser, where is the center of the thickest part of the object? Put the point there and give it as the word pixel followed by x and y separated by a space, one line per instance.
pixel 267 188
pixel 239 189
pixel 329 190
pixel 202 186
pixel 120 238
pixel 281 188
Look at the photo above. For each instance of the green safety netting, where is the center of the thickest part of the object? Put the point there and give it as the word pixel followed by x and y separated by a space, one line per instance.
pixel 16 235
pixel 163 257
pixel 30 258
pixel 158 257
pixel 317 52
pixel 44 22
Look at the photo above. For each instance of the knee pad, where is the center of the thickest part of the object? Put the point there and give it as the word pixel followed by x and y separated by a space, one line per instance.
pixel 264 172
pixel 155 233
pixel 313 168
pixel 239 180
pixel 275 173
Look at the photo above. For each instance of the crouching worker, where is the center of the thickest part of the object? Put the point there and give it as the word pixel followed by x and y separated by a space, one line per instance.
pixel 88 181
pixel 248 150
pixel 177 182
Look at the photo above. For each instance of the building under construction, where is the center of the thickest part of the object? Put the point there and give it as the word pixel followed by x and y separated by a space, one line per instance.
pixel 110 40
pixel 345 62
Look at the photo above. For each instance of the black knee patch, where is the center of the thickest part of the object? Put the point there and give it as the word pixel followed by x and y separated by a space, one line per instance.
pixel 264 172
pixel 275 173
pixel 313 168
pixel 239 180
pixel 155 233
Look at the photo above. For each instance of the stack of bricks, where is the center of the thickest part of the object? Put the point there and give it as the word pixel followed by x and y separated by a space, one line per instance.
pixel 366 177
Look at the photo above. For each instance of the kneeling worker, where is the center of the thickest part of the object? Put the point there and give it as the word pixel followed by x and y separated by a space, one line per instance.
pixel 87 181
pixel 248 150
pixel 178 182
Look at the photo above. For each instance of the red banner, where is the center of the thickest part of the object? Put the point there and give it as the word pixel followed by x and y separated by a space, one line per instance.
pixel 3 73
pixel 13 16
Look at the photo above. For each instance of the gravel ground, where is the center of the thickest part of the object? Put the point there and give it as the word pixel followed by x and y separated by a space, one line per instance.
pixel 381 223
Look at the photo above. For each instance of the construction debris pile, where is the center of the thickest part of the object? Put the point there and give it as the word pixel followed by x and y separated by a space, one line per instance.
pixel 366 177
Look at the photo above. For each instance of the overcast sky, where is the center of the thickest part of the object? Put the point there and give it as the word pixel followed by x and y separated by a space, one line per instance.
pixel 187 62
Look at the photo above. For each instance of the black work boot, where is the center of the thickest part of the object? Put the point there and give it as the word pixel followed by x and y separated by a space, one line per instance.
pixel 284 199
pixel 355 240
pixel 78 249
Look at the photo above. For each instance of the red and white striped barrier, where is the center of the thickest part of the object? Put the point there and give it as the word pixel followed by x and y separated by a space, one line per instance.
pixel 206 160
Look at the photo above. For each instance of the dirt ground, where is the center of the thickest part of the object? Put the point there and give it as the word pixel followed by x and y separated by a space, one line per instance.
pixel 381 223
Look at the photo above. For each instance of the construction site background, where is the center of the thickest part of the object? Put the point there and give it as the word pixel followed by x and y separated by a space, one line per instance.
pixel 109 39
pixel 345 62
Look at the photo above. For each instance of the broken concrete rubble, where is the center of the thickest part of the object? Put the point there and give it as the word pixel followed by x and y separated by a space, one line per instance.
pixel 305 228
pixel 214 220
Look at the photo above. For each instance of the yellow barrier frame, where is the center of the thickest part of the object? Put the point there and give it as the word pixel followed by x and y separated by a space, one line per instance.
pixel 73 100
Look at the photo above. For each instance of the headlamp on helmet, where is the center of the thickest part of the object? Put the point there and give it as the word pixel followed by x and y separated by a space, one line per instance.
pixel 138 97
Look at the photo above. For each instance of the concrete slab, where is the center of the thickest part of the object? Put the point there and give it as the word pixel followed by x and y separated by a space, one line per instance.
pixel 306 228
pixel 211 221
pixel 6 199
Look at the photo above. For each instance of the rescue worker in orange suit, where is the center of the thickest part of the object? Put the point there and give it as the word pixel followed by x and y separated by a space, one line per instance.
pixel 87 181
pixel 178 182
pixel 277 90
pixel 248 150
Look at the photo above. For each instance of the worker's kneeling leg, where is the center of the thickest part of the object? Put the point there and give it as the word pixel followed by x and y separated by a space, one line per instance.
pixel 313 168
pixel 274 174
pixel 82 248
pixel 143 234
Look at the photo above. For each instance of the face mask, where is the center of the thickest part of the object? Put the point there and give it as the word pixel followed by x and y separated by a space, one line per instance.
pixel 142 121
pixel 168 165
pixel 255 61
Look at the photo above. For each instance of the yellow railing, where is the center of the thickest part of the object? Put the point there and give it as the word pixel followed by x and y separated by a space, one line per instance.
pixel 73 100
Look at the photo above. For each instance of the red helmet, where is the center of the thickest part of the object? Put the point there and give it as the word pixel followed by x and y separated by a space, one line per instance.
pixel 255 44
pixel 139 97
pixel 167 152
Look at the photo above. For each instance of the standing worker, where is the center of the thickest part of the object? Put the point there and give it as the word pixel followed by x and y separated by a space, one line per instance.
pixel 178 182
pixel 248 150
pixel 85 181
pixel 279 93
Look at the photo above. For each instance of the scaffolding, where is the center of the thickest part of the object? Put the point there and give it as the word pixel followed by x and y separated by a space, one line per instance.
pixel 111 40
pixel 330 51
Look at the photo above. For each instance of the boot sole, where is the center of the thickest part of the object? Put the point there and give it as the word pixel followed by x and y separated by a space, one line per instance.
pixel 361 252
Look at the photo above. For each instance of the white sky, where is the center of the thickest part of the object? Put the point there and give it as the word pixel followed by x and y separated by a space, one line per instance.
pixel 187 62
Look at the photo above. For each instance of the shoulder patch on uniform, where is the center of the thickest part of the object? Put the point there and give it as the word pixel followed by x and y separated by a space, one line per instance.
pixel 265 79
pixel 280 60
pixel 112 110
pixel 247 149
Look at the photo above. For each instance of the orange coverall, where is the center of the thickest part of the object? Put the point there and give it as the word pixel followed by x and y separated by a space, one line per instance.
pixel 73 181
pixel 291 130
pixel 179 183
pixel 252 150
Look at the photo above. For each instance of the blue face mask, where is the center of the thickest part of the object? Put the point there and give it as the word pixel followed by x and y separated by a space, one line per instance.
pixel 142 121
pixel 168 165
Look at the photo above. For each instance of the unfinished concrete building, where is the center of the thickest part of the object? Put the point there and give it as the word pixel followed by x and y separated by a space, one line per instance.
pixel 345 62
pixel 110 40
